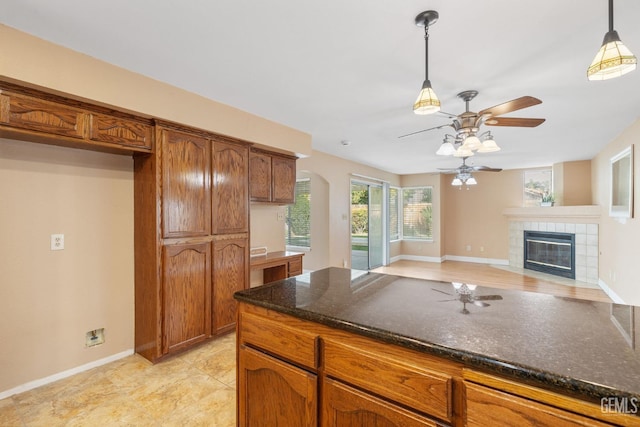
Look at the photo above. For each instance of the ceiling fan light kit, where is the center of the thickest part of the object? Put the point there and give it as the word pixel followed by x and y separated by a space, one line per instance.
pixel 613 59
pixel 427 102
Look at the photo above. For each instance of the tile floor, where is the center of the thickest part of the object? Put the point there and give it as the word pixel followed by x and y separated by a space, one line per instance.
pixel 196 388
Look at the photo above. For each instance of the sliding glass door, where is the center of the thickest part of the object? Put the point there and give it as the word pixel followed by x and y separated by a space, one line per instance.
pixel 368 224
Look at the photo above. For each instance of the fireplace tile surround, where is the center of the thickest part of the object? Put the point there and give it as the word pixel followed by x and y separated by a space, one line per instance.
pixel 581 221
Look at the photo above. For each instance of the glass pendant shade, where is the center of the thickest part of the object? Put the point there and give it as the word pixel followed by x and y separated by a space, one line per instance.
pixel 471 181
pixel 613 59
pixel 456 182
pixel 446 149
pixel 427 102
pixel 472 142
pixel 463 151
pixel 488 146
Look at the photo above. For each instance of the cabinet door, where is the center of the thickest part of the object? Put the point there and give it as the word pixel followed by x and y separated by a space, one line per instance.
pixel 42 116
pixel 116 130
pixel 186 295
pixel 284 179
pixel 186 190
pixel 274 393
pixel 260 177
pixel 230 188
pixel 344 406
pixel 230 274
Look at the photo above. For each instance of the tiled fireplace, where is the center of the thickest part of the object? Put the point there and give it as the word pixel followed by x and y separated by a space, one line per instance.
pixel 581 223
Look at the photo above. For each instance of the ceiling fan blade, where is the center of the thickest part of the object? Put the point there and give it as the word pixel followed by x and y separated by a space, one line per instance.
pixel 485 169
pixel 425 130
pixel 513 121
pixel 509 106
pixel 442 292
pixel 449 115
pixel 488 298
pixel 481 304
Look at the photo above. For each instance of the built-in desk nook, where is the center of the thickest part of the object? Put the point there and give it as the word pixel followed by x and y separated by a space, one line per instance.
pixel 277 265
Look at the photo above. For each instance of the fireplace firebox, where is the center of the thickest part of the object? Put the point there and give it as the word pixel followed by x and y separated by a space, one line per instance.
pixel 550 252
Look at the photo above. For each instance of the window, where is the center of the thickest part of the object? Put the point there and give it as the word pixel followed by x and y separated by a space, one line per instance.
pixel 417 221
pixel 537 183
pixel 394 213
pixel 298 220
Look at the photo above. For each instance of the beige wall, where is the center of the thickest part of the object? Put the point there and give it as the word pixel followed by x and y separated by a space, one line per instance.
pixel 50 299
pixel 336 172
pixel 619 242
pixel 572 183
pixel 474 225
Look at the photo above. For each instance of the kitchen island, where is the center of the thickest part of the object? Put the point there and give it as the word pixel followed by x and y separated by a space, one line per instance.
pixel 346 347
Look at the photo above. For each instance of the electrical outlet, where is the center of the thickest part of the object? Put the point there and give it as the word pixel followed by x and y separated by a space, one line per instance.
pixel 468 248
pixel 57 242
pixel 95 337
pixel 280 215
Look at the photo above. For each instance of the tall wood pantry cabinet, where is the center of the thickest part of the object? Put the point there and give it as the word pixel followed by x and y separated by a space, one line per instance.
pixel 191 238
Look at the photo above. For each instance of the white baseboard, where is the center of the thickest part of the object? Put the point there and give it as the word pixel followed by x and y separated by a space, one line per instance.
pixel 607 290
pixel 64 374
pixel 495 261
pixel 476 260
pixel 417 258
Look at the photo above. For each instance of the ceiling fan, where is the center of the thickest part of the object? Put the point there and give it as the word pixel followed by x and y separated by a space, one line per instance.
pixel 467 124
pixel 466 295
pixel 463 173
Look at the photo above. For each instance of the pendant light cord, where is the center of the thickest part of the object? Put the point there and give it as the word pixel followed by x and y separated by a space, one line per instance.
pixel 426 52
pixel 610 15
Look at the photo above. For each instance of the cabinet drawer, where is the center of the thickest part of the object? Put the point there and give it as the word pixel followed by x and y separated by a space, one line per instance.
pixel 409 384
pixel 347 407
pixel 115 130
pixel 489 407
pixel 295 267
pixel 28 113
pixel 295 345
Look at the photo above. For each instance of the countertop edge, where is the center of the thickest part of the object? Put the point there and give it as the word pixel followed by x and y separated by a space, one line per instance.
pixel 536 377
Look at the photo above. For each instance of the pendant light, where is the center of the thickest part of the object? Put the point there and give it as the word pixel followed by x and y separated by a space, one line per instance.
pixel 613 59
pixel 427 102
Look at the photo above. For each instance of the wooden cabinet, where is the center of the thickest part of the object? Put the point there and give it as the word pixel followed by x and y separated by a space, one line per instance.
pixel 186 295
pixel 277 265
pixel 488 407
pixel 274 393
pixel 401 381
pixel 186 190
pixel 346 406
pixel 362 383
pixel 283 179
pixel 366 382
pixel 230 274
pixel 31 115
pixel 230 188
pixel 39 115
pixel 272 177
pixel 191 192
pixel 116 130
pixel 260 176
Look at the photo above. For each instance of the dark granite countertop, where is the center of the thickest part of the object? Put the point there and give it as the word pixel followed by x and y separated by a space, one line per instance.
pixel 568 345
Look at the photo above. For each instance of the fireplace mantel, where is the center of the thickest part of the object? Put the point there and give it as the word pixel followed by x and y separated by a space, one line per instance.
pixel 576 214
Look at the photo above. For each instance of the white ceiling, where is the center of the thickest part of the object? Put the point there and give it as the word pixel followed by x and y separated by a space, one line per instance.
pixel 351 70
